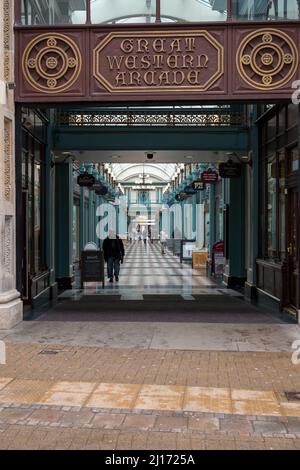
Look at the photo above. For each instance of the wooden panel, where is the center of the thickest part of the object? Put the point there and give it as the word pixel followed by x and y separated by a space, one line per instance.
pixel 270 278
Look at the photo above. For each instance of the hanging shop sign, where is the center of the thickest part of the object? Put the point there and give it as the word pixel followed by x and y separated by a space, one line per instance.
pixel 230 169
pixel 189 190
pixel 198 186
pixel 85 180
pixel 101 191
pixel 210 176
pixel 181 196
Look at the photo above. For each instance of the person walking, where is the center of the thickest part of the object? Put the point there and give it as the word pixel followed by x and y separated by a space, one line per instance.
pixel 114 253
pixel 163 241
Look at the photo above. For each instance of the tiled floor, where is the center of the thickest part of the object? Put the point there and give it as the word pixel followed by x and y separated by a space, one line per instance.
pixel 146 270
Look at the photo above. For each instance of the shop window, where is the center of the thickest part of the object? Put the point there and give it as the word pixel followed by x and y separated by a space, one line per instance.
pixel 76 230
pixel 37 217
pixel 271 207
pixel 219 218
pixel 281 202
pixel 33 185
pixel 293 159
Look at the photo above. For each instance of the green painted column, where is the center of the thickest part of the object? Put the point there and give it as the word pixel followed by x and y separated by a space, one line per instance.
pixel 49 235
pixel 82 217
pixel 91 232
pixel 254 206
pixel 211 217
pixel 82 220
pixel 235 273
pixel 64 224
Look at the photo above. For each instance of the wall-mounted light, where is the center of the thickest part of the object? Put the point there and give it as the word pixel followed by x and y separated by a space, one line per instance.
pixel 10 85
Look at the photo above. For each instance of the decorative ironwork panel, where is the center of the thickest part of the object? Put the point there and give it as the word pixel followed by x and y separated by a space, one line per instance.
pixel 204 117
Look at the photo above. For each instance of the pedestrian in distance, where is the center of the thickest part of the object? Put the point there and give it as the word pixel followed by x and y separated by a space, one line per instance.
pixel 114 253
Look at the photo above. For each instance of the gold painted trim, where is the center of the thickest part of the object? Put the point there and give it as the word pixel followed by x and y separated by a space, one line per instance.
pixel 270 86
pixel 75 74
pixel 172 89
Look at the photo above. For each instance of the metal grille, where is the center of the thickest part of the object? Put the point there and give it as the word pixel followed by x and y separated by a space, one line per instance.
pixel 199 117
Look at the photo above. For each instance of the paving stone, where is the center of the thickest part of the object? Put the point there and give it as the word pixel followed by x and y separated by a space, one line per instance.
pixel 173 423
pixel 292 426
pixel 108 421
pixel 206 424
pixel 269 427
pixel 241 426
pixel 143 422
pixel 13 415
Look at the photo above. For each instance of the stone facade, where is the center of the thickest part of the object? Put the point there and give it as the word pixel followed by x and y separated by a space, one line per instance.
pixel 10 303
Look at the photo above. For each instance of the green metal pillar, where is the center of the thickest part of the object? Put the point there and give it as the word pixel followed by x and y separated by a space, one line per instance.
pixel 91 232
pixel 64 224
pixel 253 194
pixel 235 273
pixel 49 234
pixel 211 217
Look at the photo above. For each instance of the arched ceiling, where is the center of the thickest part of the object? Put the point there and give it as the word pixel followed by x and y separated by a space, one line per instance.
pixel 124 172
pixel 143 11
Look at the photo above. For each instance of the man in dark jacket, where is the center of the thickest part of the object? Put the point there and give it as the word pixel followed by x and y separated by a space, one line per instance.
pixel 113 249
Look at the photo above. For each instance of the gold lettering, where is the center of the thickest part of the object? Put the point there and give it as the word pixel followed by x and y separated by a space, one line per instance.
pixel 172 61
pixel 159 45
pixel 115 61
pixel 127 45
pixel 193 77
pixel 164 78
pixel 149 78
pixel 134 78
pixel 176 45
pixel 142 45
pixel 146 62
pixel 120 79
pixel 130 62
pixel 187 61
pixel 202 61
pixel 176 74
pixel 190 44
pixel 158 61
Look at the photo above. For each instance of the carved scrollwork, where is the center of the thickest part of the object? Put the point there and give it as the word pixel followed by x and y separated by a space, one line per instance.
pixel 267 59
pixel 51 63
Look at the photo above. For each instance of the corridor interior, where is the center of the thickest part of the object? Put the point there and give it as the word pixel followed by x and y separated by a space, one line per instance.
pixel 146 270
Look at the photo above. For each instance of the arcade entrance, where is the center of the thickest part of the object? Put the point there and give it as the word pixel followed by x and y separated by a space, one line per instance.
pixel 97 89
pixel 148 159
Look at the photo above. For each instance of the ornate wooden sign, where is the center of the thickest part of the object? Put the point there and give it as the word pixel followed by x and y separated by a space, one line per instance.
pixel 160 61
pixel 212 62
